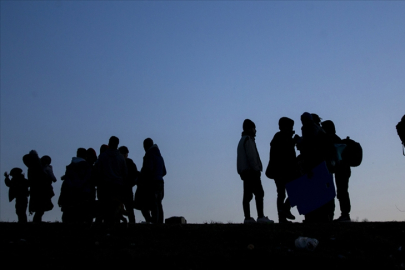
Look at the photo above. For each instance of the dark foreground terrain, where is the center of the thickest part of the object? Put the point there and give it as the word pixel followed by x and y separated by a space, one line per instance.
pixel 202 246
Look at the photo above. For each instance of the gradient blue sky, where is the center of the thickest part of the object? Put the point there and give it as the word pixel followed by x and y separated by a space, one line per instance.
pixel 187 73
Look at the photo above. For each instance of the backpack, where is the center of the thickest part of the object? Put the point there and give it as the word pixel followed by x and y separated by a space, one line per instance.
pixel 401 132
pixel 353 153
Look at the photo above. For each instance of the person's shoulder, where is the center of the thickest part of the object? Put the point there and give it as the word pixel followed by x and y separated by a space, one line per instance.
pixel 278 135
pixel 246 138
pixel 276 138
pixel 130 162
pixel 154 151
pixel 103 155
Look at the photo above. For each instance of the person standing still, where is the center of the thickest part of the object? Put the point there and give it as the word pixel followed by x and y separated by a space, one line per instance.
pixel 152 183
pixel 249 168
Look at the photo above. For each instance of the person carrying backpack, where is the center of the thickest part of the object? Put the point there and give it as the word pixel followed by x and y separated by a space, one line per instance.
pixel 342 175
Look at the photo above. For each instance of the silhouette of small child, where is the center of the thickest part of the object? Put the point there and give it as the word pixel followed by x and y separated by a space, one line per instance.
pixel 46 165
pixel 19 191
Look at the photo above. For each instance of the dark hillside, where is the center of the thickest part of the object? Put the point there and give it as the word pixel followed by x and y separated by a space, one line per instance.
pixel 201 246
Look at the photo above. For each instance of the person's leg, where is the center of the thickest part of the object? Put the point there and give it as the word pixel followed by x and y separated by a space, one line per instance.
pixel 259 195
pixel 130 211
pixel 21 209
pixel 247 197
pixel 281 205
pixel 342 176
pixel 157 211
pixel 280 195
pixel 38 216
pixel 287 205
pixel 146 215
pixel 160 207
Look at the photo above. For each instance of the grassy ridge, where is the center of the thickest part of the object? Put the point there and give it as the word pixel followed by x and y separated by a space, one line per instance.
pixel 202 246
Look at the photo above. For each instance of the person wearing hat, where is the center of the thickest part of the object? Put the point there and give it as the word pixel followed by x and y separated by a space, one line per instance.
pixel 19 191
pixel 249 167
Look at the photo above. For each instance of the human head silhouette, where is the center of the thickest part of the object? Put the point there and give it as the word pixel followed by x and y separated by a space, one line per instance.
pixel 91 155
pixel 329 127
pixel 249 127
pixel 316 119
pixel 103 148
pixel 285 124
pixel 147 143
pixel 46 160
pixel 306 118
pixel 81 153
pixel 124 151
pixel 113 143
pixel 15 172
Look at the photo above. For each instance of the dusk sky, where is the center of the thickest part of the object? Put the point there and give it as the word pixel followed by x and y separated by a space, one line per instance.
pixel 186 74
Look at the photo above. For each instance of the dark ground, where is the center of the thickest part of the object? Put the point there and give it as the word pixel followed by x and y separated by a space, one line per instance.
pixel 202 246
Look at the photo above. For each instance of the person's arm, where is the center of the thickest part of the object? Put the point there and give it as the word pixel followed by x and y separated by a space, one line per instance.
pixel 50 173
pixel 252 155
pixel 7 181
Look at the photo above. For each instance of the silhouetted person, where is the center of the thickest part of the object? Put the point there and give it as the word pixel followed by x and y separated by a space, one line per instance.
pixel 75 195
pixel 249 168
pixel 112 171
pixel 19 191
pixel 317 120
pixel 129 183
pixel 103 148
pixel 315 148
pixel 47 167
pixel 342 175
pixel 40 183
pixel 150 191
pixel 283 166
pixel 311 143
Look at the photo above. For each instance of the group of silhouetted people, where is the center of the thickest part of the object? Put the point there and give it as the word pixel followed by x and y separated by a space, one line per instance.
pixel 101 188
pixel 94 188
pixel 318 143
pixel 38 187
